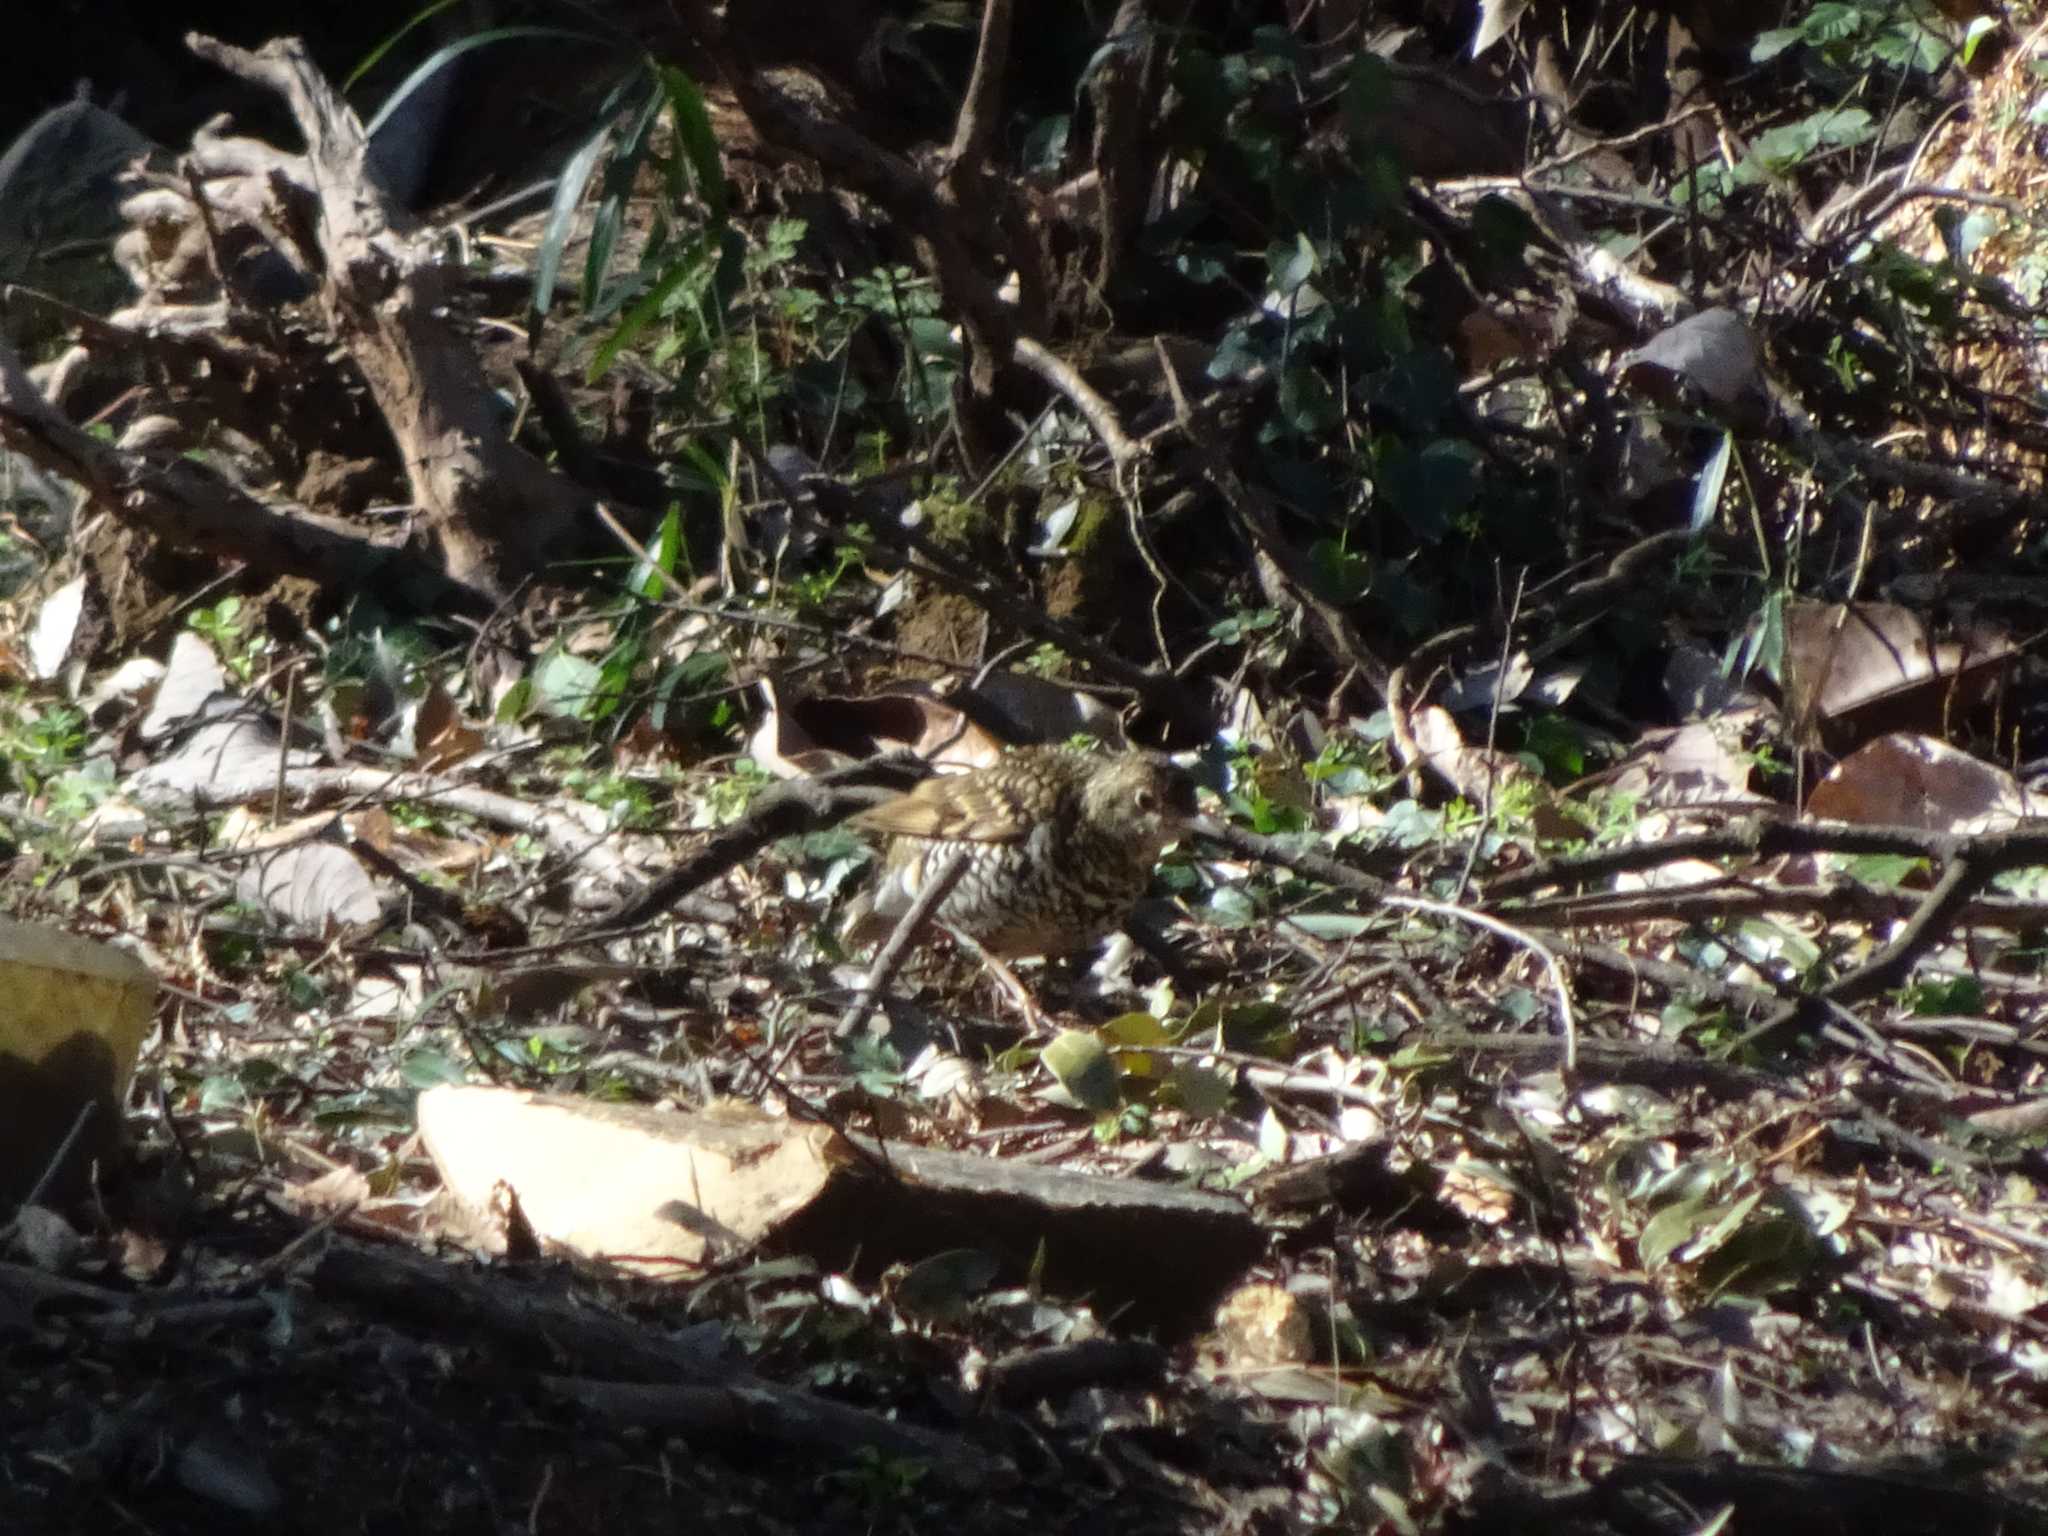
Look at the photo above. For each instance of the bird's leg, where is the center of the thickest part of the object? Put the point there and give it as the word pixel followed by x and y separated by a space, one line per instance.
pixel 1034 1021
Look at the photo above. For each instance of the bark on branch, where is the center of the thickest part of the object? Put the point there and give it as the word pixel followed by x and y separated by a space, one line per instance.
pixel 496 512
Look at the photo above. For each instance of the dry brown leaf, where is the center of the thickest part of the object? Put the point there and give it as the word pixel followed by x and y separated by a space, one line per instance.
pixel 1915 781
pixel 1260 1325
pixel 1858 670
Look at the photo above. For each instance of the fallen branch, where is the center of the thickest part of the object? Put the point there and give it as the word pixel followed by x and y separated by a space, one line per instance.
pixel 496 512
pixel 190 506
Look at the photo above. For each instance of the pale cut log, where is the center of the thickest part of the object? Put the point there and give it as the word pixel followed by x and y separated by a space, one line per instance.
pixel 662 1194
pixel 656 1193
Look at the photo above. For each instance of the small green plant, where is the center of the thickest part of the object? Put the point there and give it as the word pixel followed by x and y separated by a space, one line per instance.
pixel 1934 996
pixel 231 631
pixel 39 742
pixel 728 798
pixel 880 1483
pixel 1350 765
pixel 576 688
pixel 1854 36
pixel 553 1052
pixel 1847 368
pixel 1613 814
pixel 1046 660
pixel 813 589
pixel 1558 744
pixel 1265 796
pixel 1238 627
pixel 876 1067
pixel 1122 1123
pixel 303 989
pixel 695 696
pixel 626 802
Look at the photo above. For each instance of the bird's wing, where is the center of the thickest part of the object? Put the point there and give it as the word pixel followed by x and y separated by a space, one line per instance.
pixel 959 808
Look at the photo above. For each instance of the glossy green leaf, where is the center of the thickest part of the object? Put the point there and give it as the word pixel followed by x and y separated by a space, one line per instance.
pixel 1081 1064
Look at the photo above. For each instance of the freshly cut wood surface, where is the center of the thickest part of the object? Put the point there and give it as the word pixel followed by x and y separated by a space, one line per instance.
pixel 663 1193
pixel 657 1192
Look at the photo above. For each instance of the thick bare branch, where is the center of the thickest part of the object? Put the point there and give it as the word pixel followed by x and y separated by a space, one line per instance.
pixel 177 499
pixel 497 512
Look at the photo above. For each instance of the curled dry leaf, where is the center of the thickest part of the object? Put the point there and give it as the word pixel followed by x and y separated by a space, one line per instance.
pixel 231 758
pixel 802 739
pixel 441 738
pixel 192 677
pixel 60 624
pixel 951 728
pixel 1025 710
pixel 1479 773
pixel 1713 351
pixel 1858 670
pixel 315 886
pixel 1915 781
pixel 1478 1192
pixel 1263 1325
pixel 1699 763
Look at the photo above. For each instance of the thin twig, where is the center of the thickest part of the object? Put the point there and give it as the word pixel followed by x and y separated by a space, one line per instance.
pixel 1097 412
pixel 53 1166
pixel 890 957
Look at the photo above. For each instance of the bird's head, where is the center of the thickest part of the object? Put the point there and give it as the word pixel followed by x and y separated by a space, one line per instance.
pixel 1143 800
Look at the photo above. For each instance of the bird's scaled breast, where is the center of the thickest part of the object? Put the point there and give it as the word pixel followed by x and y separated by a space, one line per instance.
pixel 1055 849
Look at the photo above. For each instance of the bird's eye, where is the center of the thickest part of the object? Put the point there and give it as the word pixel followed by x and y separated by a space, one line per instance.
pixel 1147 801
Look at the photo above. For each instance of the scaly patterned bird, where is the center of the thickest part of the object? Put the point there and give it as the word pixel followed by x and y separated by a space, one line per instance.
pixel 1058 847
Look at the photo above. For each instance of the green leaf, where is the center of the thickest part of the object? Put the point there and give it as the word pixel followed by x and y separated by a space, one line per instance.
pixel 1832 21
pixel 693 132
pixel 1305 402
pixel 1201 1091
pixel 1980 28
pixel 1885 871
pixel 1664 1233
pixel 651 578
pixel 650 305
pixel 1045 146
pixel 441 57
pixel 1421 389
pixel 1232 907
pixel 1769 45
pixel 1342 575
pixel 1080 1063
pixel 875 1063
pixel 567 686
pixel 1706 497
pixel 1431 488
pixel 1126 1034
pixel 220 1092
pixel 1290 265
pixel 710 474
pixel 518 699
pixel 1951 995
pixel 425 1069
pixel 561 220
pixel 1756 1252
pixel 621 176
pixel 375 56
pixel 1333 926
pixel 941 1286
